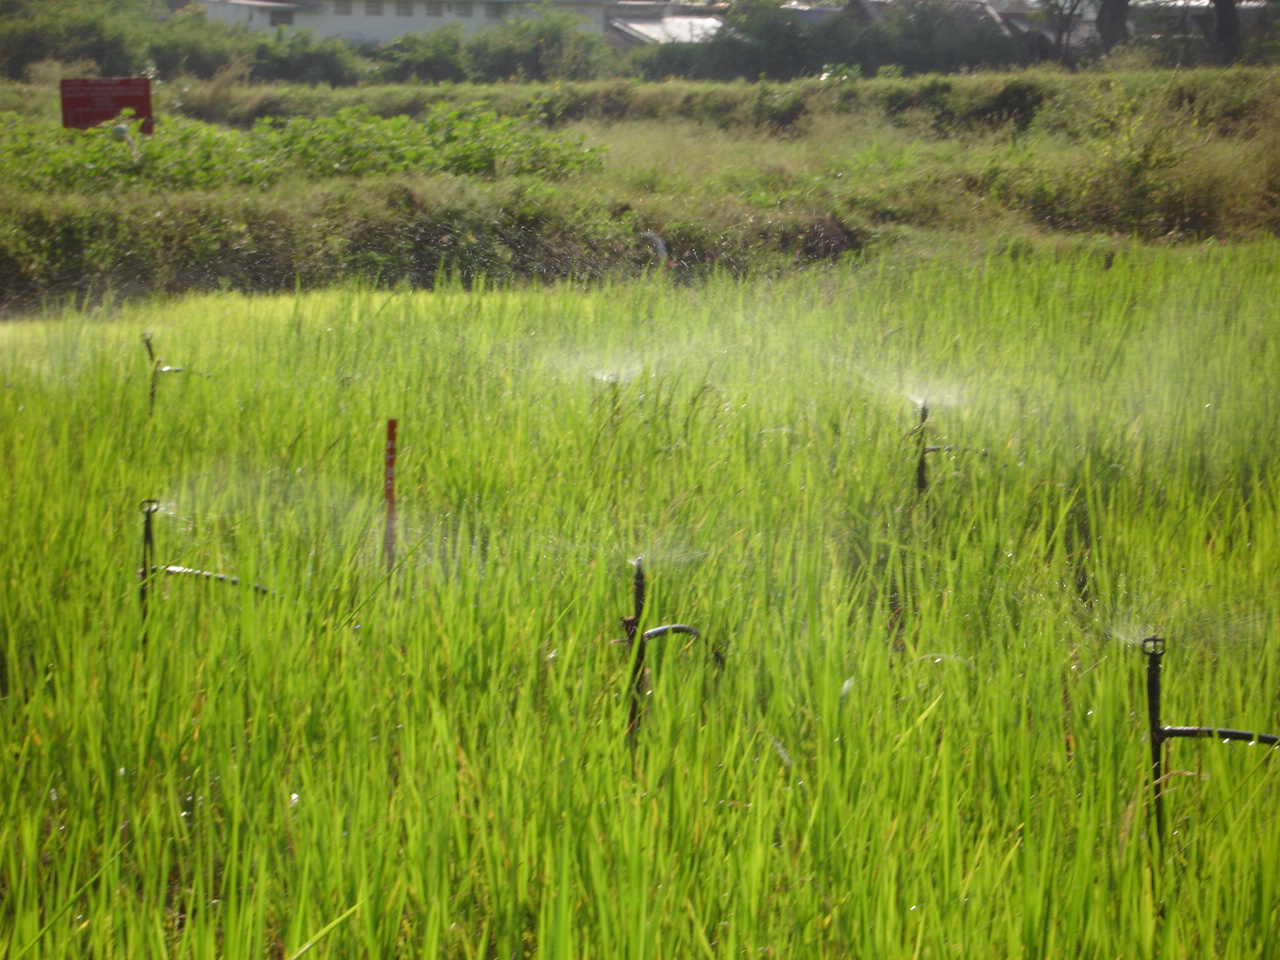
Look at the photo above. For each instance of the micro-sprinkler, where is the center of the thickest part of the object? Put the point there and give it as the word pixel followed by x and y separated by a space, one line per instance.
pixel 1153 650
pixel 157 368
pixel 659 245
pixel 639 643
pixel 149 570
pixel 924 449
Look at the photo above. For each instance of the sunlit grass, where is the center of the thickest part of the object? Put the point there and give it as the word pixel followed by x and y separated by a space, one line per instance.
pixel 927 740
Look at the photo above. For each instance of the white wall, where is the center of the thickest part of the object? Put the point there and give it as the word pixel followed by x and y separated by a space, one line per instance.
pixel 364 23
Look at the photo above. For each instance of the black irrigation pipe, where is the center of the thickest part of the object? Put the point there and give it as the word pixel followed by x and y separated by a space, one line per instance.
pixel 630 626
pixel 1153 649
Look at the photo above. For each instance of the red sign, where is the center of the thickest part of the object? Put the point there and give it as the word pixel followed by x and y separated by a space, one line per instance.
pixel 89 102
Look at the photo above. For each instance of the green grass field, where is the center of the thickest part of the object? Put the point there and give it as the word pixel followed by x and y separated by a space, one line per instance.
pixel 929 735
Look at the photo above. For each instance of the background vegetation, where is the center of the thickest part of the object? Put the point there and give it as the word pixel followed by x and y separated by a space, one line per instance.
pixel 760 40
pixel 264 187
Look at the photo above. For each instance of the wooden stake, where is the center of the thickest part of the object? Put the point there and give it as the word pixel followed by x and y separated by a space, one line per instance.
pixel 389 485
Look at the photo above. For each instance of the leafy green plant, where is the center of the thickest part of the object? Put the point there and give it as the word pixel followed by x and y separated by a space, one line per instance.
pixel 185 154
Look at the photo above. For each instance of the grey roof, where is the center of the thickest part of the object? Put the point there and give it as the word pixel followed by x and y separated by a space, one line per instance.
pixel 811 16
pixel 267 4
pixel 971 13
pixel 673 29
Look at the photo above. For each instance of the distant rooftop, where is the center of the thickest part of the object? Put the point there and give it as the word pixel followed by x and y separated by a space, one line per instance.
pixel 633 23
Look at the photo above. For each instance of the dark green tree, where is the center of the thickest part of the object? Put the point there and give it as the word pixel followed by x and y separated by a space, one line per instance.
pixel 550 45
pixel 298 56
pixel 109 33
pixel 1113 22
pixel 1226 30
pixel 436 56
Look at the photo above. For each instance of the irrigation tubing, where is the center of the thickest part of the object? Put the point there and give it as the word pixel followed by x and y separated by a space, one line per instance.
pixel 922 463
pixel 150 570
pixel 1219 733
pixel 157 369
pixel 663 630
pixel 207 575
pixel 389 491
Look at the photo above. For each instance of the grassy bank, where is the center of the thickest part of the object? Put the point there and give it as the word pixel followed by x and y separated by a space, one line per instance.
pixel 927 738
pixel 750 178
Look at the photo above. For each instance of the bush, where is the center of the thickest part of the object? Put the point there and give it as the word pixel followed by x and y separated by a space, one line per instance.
pixel 297 56
pixel 35 32
pixel 188 45
pixel 436 56
pixel 547 46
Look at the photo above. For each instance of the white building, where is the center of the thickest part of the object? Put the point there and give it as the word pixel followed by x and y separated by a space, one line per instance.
pixel 377 21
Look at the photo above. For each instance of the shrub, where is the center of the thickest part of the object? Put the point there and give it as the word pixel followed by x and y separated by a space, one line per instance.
pixel 32 32
pixel 436 56
pixel 188 45
pixel 548 46
pixel 297 56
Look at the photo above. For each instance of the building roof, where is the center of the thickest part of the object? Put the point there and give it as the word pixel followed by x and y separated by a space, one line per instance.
pixel 810 16
pixel 267 4
pixel 674 29
pixel 969 13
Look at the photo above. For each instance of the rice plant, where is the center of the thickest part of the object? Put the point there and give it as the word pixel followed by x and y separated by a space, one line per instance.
pixel 928 734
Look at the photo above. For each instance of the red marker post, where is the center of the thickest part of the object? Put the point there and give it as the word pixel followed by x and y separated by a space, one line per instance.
pixel 389 542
